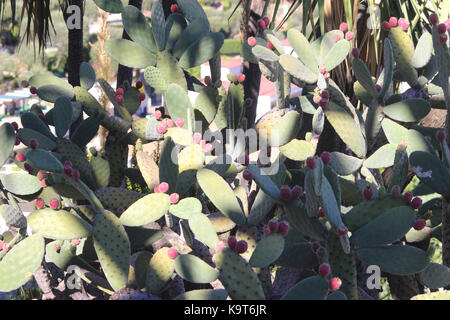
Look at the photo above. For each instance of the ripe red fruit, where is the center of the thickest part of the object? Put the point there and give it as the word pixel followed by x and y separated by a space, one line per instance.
pixel 161 129
pixel 76 174
pixel 67 164
pixel 434 19
pixel 241 78
pixel 27 167
pixel 416 203
pixel 180 122
pixel 443 38
pixel 325 94
pixel 408 197
pixel 261 24
pixel 321 214
pixel 21 157
pixel 120 91
pixel 139 84
pixel 241 246
pixel 349 36
pixel 378 87
pixel 6 247
pixel 266 230
pixel 40 203
pixel 172 253
pixel 158 114
pixel 441 28
pixel 17 140
pixel 174 198
pixel 343 27
pixel 386 26
pixel 164 187
pixel 337 37
pixel 41 116
pixel 270 45
pixel 368 193
pixel 393 21
pixel 251 41
pixel 68 171
pixel 311 162
pixel 43 183
pixel 156 189
pixel 283 228
pixel 266 21
pixel 247 175
pixel 41 175
pixel 286 193
pixel 440 135
pixel 232 242
pixel 419 224
pixel 207 147
pixel 447 24
pixel 273 225
pixel 317 99
pixel 33 90
pixel 324 270
pixel 119 98
pixel 75 242
pixel 142 96
pixel 403 24
pixel 197 137
pixel 326 75
pixel 356 52
pixel 208 80
pixel 396 191
pixel 54 204
pixel 15 125
pixel 342 231
pixel 297 191
pixel 326 157
pixel 170 123
pixel 334 284
pixel 33 144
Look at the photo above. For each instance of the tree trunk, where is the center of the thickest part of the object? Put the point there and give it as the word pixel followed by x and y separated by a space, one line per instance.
pixel 445 232
pixel 126 73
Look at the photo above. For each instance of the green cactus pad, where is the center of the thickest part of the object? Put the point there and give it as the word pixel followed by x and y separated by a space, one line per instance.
pixel 302 48
pixel 299 219
pixel 101 170
pixel 297 150
pixel 388 72
pixel 190 158
pixel 44 160
pixel 148 168
pixel 363 95
pixel 129 53
pixel 21 184
pixel 12 216
pixel 31 121
pixel 337 54
pixel 312 288
pixel 51 92
pixel 7 141
pixel 364 77
pixel 417 142
pixel 171 71
pixel 193 11
pixel 186 208
pixel 297 69
pixel 194 269
pixel 202 50
pixel 403 48
pixel 115 198
pixel 203 294
pixel 113 248
pixel 435 276
pixel 394 132
pixel 87 130
pixel 326 42
pixel 175 25
pixel 238 277
pixel 155 78
pixel 423 51
pixel 64 258
pixel 42 79
pixel 159 271
pixel 147 209
pixel 20 264
pixel 337 295
pixel 136 26
pixel 111 6
pixel 193 32
pixel 382 158
pixel 159 25
pixel 264 53
pixel 344 164
pixel 329 204
pixel 206 103
pixel 385 229
pixel 297 255
pixel 220 222
pixel 131 100
pixel 395 259
pixel 87 75
pixel 411 110
pixel 203 230
pixel 179 105
pixel 221 194
pixel 267 251
pixel 440 295
pixel 168 164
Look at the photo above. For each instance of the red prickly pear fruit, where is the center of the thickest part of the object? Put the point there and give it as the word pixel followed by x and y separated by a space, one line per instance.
pixel 378 87
pixel 207 147
pixel 324 270
pixel 232 241
pixel 119 98
pixel 54 204
pixel 68 164
pixel 273 225
pixel 41 116
pixel 434 19
pixel 440 135
pixel 21 157
pixel 158 114
pixel 40 175
pixel 442 28
pixel 334 284
pixel 75 242
pixel 283 228
pixel 17 140
pixel 163 187
pixel 393 21
pixel 40 203
pixel 27 167
pixel 68 171
pixel 261 24
pixel 286 193
pixel 180 122
pixel 173 8
pixel 326 157
pixel 33 144
pixel 322 69
pixel 33 90
pixel 443 38
pixel 349 36
pixel 419 224
pixel 251 41
pixel 368 193
pixel 170 123
pixel 386 26
pixel 139 84
pixel 174 198
pixel 247 175
pixel 336 37
pixel 208 80
pixel 342 231
pixel 43 183
pixel 266 21
pixel 325 94
pixel 356 52
pixel 416 203
pixel 57 247
pixel 270 45
pixel 408 197
pixel 267 230
pixel 396 191
pixel 326 75
pixel 321 213
pixel 241 78
pixel 447 24
pixel 15 125
pixel 76 174
pixel 297 191
pixel 311 162
pixel 142 96
pixel 197 137
pixel 343 27
pixel 315 246
pixel 241 246
pixel 172 253
pixel 6 247
pixel 403 24
pixel 161 129
pixel 156 190
pixel 120 92
pixel 317 99
pixel 323 103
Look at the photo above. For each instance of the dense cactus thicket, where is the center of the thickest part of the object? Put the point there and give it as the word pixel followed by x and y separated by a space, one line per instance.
pixel 220 210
